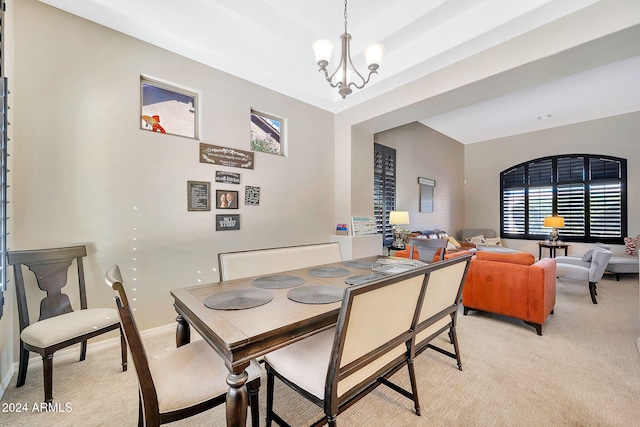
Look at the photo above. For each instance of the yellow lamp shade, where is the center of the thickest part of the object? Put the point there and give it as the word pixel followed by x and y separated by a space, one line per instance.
pixel 554 221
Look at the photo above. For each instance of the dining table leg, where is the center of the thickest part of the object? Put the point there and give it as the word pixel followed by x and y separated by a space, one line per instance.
pixel 237 397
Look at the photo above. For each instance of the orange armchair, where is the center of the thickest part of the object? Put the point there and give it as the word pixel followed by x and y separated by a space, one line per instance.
pixel 511 284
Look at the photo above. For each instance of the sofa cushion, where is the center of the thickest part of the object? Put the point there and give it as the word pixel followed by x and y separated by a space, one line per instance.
pixel 522 258
pixel 477 240
pixel 493 241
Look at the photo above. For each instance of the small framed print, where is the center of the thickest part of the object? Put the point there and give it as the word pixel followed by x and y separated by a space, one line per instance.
pixel 227 222
pixel 198 196
pixel 251 195
pixel 226 199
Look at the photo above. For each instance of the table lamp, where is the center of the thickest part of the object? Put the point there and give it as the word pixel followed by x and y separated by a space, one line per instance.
pixel 398 218
pixel 555 222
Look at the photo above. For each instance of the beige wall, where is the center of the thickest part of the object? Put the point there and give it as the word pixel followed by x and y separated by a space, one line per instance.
pixel 84 172
pixel 616 136
pixel 423 152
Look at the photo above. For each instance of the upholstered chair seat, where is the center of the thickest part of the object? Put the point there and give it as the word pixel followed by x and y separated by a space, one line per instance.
pixel 588 269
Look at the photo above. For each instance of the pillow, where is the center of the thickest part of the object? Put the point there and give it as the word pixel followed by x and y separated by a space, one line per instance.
pixel 495 241
pixel 454 242
pixel 630 244
pixel 477 240
pixel 522 258
pixel 451 246
pixel 586 257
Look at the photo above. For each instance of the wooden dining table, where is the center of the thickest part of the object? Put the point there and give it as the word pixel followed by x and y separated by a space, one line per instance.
pixel 242 335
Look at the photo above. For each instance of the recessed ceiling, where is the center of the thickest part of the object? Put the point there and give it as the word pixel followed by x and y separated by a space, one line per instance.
pixel 268 42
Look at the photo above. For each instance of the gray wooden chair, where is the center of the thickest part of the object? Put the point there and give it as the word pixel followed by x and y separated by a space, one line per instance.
pixel 181 382
pixel 58 325
pixel 373 338
pixel 428 248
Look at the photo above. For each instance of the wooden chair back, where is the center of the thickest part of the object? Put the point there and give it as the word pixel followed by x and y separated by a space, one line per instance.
pixel 373 334
pixel 428 248
pixel 238 265
pixel 148 394
pixel 50 267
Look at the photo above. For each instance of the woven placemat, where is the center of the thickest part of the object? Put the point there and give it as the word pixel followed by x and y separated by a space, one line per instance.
pixel 366 265
pixel 359 280
pixel 316 294
pixel 328 272
pixel 238 299
pixel 278 281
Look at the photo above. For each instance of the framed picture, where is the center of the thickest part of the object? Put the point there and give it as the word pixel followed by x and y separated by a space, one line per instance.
pixel 251 195
pixel 167 109
pixel 227 222
pixel 426 194
pixel 198 196
pixel 267 133
pixel 226 199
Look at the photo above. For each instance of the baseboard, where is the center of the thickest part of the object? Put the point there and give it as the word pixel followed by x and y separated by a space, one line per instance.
pixel 94 346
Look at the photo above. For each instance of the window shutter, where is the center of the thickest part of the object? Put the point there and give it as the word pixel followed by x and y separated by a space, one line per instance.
pixel 540 206
pixel 384 189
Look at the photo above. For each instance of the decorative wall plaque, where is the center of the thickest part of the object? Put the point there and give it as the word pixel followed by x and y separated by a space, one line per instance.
pixel 227 222
pixel 224 156
pixel 251 195
pixel 227 177
pixel 198 196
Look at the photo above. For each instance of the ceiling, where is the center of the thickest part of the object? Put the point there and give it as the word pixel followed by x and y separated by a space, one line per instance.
pixel 419 36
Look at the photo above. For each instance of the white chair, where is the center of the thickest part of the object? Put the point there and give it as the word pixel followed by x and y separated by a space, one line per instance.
pixel 591 271
pixel 58 325
pixel 180 382
pixel 428 248
pixel 372 339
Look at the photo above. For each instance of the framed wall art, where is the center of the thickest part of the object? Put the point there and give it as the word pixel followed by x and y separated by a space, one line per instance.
pixel 226 199
pixel 227 222
pixel 198 196
pixel 426 194
pixel 251 195
pixel 168 109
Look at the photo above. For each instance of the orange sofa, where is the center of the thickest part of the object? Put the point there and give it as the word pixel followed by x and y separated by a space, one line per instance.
pixel 511 284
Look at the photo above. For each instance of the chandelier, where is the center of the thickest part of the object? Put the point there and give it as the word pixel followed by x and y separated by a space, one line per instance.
pixel 346 70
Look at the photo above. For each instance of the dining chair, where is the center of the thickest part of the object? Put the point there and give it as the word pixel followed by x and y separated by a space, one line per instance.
pixel 373 338
pixel 180 382
pixel 428 248
pixel 58 325
pixel 440 305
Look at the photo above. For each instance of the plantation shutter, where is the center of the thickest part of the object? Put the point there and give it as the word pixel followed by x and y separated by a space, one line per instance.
pixel 384 189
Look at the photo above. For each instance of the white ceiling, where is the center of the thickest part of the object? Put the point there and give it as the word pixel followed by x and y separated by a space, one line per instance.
pixel 420 37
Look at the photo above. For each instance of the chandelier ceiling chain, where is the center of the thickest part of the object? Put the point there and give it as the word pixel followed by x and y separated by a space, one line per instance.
pixel 345 70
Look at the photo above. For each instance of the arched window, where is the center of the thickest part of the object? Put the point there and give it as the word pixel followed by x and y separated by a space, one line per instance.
pixel 588 190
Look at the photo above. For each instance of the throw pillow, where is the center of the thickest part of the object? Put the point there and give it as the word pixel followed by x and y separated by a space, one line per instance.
pixel 495 241
pixel 586 257
pixel 630 244
pixel 454 242
pixel 522 258
pixel 477 240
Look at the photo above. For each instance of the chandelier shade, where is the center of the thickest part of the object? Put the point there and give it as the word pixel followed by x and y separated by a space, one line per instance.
pixel 346 75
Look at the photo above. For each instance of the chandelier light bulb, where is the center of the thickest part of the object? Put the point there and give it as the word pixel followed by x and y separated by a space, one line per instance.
pixel 323 49
pixel 373 54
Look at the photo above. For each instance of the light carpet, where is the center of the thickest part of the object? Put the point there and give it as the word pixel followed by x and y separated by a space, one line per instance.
pixel 583 371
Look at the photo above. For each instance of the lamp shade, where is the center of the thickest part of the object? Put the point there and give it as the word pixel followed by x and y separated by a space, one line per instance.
pixel 323 49
pixel 399 217
pixel 373 55
pixel 554 221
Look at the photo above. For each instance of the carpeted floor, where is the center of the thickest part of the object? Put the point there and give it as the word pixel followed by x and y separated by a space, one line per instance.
pixel 583 371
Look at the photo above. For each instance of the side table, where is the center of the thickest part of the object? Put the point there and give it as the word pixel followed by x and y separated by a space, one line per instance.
pixel 552 248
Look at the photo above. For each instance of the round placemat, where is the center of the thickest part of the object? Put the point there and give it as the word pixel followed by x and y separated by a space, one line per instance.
pixel 366 265
pixel 316 294
pixel 328 272
pixel 238 299
pixel 278 281
pixel 359 280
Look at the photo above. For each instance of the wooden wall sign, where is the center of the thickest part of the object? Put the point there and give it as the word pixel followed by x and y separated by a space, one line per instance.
pixel 223 156
pixel 227 222
pixel 227 177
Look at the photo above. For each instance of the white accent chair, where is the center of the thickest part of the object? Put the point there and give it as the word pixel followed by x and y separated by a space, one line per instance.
pixel 181 382
pixel 579 268
pixel 428 248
